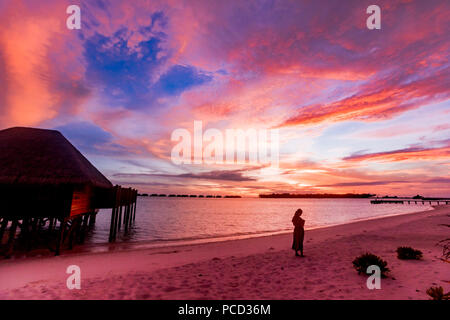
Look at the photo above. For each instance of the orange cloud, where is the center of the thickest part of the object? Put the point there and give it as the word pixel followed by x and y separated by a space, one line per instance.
pixel 32 50
pixel 407 154
pixel 389 100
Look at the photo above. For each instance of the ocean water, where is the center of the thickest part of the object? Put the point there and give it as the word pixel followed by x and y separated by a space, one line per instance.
pixel 162 221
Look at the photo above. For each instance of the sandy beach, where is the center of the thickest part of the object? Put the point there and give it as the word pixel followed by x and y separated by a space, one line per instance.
pixel 256 268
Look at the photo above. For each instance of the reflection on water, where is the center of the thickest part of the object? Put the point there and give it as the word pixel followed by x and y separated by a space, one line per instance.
pixel 162 220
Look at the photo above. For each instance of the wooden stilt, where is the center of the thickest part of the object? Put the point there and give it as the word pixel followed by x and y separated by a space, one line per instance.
pixel 73 232
pixel 11 238
pixel 120 217
pixel 28 235
pixel 92 219
pixel 130 217
pixel 3 228
pixel 50 224
pixel 117 223
pixel 128 211
pixel 34 222
pixel 126 221
pixel 78 230
pixel 113 224
pixel 84 228
pixel 132 206
pixel 119 210
pixel 125 218
pixel 24 227
pixel 135 205
pixel 60 240
pixel 130 214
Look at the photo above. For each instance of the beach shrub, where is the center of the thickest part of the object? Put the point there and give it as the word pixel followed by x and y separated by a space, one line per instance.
pixel 362 262
pixel 437 293
pixel 408 253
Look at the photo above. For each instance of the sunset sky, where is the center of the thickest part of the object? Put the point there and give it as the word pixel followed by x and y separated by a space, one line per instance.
pixel 357 110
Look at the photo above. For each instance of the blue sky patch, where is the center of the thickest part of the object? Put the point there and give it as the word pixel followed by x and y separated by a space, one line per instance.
pixel 180 78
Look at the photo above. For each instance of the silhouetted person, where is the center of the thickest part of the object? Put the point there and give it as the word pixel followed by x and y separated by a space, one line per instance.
pixel 299 233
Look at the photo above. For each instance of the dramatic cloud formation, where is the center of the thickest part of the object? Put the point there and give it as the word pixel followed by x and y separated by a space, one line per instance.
pixel 406 154
pixel 357 110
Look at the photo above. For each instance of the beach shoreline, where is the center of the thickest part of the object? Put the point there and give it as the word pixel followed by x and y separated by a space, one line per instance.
pixel 128 245
pixel 252 268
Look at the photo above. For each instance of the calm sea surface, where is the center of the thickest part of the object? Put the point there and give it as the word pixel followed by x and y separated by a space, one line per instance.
pixel 161 221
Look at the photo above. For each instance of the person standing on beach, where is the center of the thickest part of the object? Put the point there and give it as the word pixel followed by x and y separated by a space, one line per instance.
pixel 299 233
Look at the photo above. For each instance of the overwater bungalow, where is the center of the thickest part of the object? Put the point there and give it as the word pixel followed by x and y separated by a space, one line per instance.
pixel 44 180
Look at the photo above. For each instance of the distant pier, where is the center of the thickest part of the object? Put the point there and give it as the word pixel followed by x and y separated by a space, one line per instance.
pixel 411 201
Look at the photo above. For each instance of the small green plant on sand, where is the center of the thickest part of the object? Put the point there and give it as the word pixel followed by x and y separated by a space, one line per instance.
pixel 362 262
pixel 437 293
pixel 408 253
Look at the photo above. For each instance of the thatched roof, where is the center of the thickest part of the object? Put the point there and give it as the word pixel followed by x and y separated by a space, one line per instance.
pixel 31 156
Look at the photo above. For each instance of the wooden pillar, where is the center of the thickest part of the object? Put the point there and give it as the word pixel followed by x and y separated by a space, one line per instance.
pixel 60 240
pixel 113 224
pixel 130 214
pixel 133 207
pixel 129 201
pixel 127 210
pixel 34 222
pixel 125 218
pixel 70 233
pixel 50 224
pixel 120 217
pixel 3 228
pixel 92 219
pixel 24 227
pixel 11 238
pixel 135 204
pixel 74 231
pixel 28 235
pixel 84 227
pixel 115 214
